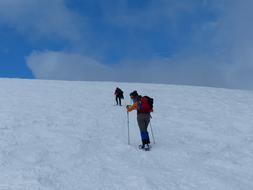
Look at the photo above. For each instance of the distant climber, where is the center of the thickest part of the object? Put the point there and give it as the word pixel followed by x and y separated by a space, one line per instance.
pixel 118 96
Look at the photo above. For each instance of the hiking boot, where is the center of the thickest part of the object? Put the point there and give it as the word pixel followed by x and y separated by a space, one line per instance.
pixel 146 147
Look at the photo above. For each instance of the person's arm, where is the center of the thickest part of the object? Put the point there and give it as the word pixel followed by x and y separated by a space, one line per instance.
pixel 132 107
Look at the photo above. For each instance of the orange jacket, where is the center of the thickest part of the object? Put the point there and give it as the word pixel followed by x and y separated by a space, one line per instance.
pixel 132 107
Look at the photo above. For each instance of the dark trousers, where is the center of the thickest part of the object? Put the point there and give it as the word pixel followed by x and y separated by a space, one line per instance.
pixel 118 100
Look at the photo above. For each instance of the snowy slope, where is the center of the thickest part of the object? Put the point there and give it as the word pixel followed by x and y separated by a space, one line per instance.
pixel 57 135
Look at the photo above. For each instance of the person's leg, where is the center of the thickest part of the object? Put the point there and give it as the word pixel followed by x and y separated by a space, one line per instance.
pixel 120 101
pixel 116 98
pixel 146 123
pixel 143 121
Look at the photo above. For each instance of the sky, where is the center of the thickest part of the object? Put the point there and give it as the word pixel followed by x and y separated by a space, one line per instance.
pixel 191 42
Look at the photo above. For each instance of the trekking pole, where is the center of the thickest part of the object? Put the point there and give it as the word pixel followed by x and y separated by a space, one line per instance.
pixel 128 128
pixel 152 132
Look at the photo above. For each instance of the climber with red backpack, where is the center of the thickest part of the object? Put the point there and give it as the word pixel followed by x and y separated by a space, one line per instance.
pixel 143 105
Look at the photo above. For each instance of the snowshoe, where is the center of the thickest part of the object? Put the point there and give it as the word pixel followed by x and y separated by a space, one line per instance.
pixel 145 147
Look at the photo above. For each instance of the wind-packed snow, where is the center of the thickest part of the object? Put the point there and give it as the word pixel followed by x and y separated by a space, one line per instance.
pixel 57 135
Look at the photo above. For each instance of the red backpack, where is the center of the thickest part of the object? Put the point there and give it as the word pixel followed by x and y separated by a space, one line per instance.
pixel 146 105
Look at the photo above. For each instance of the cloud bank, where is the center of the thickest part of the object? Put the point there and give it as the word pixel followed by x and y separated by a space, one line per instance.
pixel 66 66
pixel 72 66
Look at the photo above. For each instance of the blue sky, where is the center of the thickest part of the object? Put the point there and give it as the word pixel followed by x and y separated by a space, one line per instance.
pixel 195 42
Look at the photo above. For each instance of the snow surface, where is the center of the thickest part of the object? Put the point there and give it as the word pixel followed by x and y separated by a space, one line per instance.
pixel 57 135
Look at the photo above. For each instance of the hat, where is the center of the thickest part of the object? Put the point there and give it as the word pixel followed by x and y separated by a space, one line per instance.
pixel 134 94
